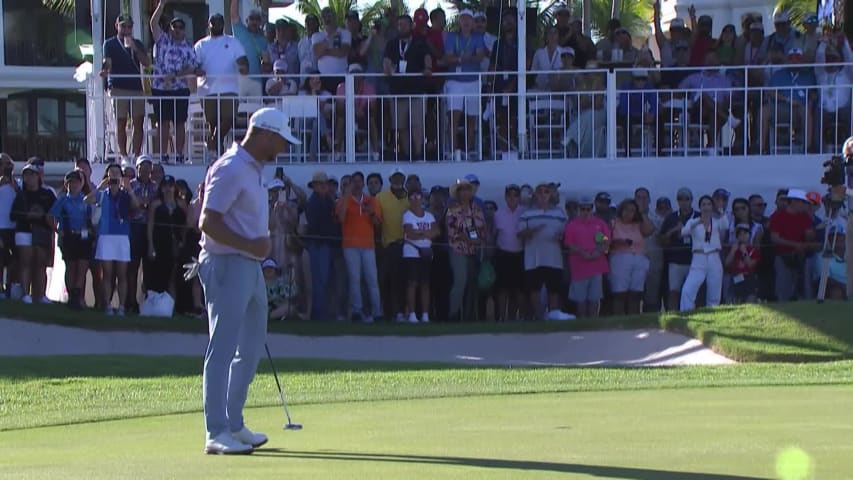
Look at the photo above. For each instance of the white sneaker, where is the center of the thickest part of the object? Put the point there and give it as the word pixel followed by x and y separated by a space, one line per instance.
pixel 425 318
pixel 27 299
pixel 400 318
pixel 226 444
pixel 558 316
pixel 413 318
pixel 249 437
pixel 45 301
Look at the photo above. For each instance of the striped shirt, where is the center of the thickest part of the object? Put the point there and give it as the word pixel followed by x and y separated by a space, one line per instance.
pixel 542 249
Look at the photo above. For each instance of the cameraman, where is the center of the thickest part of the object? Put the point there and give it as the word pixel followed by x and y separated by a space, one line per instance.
pixel 839 176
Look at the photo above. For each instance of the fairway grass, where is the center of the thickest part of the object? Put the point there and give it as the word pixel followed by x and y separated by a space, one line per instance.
pixel 44 391
pixel 688 434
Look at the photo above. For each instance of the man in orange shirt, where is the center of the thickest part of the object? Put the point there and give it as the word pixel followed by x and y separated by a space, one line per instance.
pixel 359 214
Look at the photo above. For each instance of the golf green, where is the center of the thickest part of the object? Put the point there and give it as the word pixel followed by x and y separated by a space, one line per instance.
pixel 725 433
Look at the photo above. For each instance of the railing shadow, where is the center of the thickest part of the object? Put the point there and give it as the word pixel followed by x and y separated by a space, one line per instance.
pixel 603 471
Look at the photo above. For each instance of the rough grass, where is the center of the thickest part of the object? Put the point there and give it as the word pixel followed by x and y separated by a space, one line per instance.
pixel 65 390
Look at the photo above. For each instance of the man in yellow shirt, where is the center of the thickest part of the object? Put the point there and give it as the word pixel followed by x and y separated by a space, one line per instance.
pixel 393 202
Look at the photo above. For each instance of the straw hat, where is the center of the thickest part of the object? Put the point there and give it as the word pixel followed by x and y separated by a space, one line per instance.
pixel 460 183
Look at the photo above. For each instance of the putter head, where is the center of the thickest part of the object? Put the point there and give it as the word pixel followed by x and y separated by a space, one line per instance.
pixel 293 426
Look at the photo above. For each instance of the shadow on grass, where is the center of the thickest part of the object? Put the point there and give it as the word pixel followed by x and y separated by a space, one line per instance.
pixel 626 473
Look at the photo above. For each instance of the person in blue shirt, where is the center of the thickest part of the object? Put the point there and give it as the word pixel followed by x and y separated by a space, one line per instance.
pixel 74 227
pixel 115 199
pixel 252 37
pixel 638 106
pixel 464 51
pixel 794 97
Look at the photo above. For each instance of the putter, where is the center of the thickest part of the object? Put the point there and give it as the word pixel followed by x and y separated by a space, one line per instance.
pixel 289 425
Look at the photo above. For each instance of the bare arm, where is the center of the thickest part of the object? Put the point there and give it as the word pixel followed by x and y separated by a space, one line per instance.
pixel 156 31
pixel 234 11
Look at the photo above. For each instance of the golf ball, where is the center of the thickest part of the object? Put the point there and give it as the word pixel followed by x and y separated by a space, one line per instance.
pixel 793 463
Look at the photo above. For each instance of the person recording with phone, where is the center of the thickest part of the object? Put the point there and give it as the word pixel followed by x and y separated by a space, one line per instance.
pixel 706 265
pixel 115 199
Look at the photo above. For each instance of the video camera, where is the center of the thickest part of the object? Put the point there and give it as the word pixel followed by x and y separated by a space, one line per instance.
pixel 835 170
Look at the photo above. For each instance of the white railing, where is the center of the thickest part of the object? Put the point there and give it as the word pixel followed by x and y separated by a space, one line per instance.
pixel 586 113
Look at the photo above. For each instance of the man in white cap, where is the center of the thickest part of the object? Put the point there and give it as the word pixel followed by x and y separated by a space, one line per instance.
pixel 235 239
pixel 792 233
pixel 463 52
pixel 785 36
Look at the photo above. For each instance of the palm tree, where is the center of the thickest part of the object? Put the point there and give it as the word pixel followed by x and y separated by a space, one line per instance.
pixel 797 10
pixel 67 7
pixel 635 15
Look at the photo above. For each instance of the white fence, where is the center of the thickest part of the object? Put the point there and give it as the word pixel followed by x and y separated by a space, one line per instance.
pixel 564 114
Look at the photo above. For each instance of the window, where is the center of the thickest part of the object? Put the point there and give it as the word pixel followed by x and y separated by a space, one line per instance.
pixel 17 116
pixel 75 117
pixel 35 35
pixel 48 116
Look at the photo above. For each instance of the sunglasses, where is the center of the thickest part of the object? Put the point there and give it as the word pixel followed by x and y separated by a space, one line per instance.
pixel 178 27
pixel 684 199
pixel 586 209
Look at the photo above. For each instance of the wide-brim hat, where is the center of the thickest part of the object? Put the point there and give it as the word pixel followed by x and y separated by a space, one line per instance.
pixel 460 183
pixel 318 177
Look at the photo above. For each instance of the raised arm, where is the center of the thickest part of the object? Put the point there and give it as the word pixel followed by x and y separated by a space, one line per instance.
pixel 156 31
pixel 235 12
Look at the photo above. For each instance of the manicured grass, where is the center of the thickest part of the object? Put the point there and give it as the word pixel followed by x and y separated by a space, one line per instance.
pixel 792 332
pixel 42 391
pixel 690 434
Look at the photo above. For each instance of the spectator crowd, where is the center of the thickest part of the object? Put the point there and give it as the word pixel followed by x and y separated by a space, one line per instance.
pixel 364 248
pixel 455 92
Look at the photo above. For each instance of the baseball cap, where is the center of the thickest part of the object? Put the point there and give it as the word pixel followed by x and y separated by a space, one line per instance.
pixel 684 192
pixel 352 14
pixel 73 175
pixel 795 52
pixel 471 178
pixel 144 158
pixel 467 11
pixel 269 263
pixel 585 200
pixel 275 183
pixel 781 17
pixel 512 188
pixel 168 179
pixel 280 64
pixel 177 20
pixel 30 168
pixel 479 15
pixel 757 26
pixel 124 18
pixel 602 197
pixel 811 19
pixel 275 121
pixel 255 12
pixel 797 194
pixel 355 68
pixel 676 23
pixel 567 51
pixel 706 19
pixel 421 16
pixel 721 192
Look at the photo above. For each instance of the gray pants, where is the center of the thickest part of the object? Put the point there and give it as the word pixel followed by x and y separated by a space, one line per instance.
pixel 787 280
pixel 236 297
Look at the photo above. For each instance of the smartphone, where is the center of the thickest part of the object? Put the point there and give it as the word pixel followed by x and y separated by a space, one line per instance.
pixel 279 172
pixel 282 196
pixel 114 181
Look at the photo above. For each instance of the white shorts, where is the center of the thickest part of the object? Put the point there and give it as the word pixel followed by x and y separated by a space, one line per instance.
pixel 628 272
pixel 463 96
pixel 677 275
pixel 23 239
pixel 113 248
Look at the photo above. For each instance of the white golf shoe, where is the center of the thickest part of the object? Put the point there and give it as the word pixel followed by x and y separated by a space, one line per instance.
pixel 250 438
pixel 226 444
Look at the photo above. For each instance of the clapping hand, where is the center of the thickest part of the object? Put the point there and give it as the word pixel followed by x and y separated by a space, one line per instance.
pixel 191 269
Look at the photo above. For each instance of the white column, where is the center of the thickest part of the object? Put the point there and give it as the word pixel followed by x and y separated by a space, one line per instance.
pixel 349 122
pixel 96 106
pixel 218 6
pixel 140 25
pixel 2 37
pixel 521 34
pixel 610 102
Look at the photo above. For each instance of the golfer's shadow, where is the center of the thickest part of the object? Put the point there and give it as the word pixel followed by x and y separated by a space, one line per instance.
pixel 626 473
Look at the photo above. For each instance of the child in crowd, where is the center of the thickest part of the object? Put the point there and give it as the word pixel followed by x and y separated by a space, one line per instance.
pixel 281 291
pixel 741 263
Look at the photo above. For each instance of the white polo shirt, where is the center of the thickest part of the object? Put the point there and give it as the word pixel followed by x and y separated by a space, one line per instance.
pixel 327 64
pixel 234 187
pixel 218 58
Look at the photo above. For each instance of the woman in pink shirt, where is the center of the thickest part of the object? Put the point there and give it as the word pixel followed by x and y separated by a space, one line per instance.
pixel 628 262
pixel 587 238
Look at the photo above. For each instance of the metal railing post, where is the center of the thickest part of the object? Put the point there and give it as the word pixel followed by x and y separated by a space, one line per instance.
pixel 349 123
pixel 610 101
pixel 521 117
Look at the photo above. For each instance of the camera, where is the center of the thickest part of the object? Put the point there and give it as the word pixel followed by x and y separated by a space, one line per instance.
pixel 835 170
pixel 113 181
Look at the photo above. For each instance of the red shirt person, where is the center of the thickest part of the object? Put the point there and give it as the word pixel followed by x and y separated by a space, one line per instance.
pixel 791 231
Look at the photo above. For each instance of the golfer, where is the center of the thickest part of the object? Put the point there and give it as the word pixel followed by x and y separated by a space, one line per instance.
pixel 235 239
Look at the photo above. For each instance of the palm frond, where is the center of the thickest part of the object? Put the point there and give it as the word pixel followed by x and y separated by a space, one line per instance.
pixel 797 10
pixel 63 7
